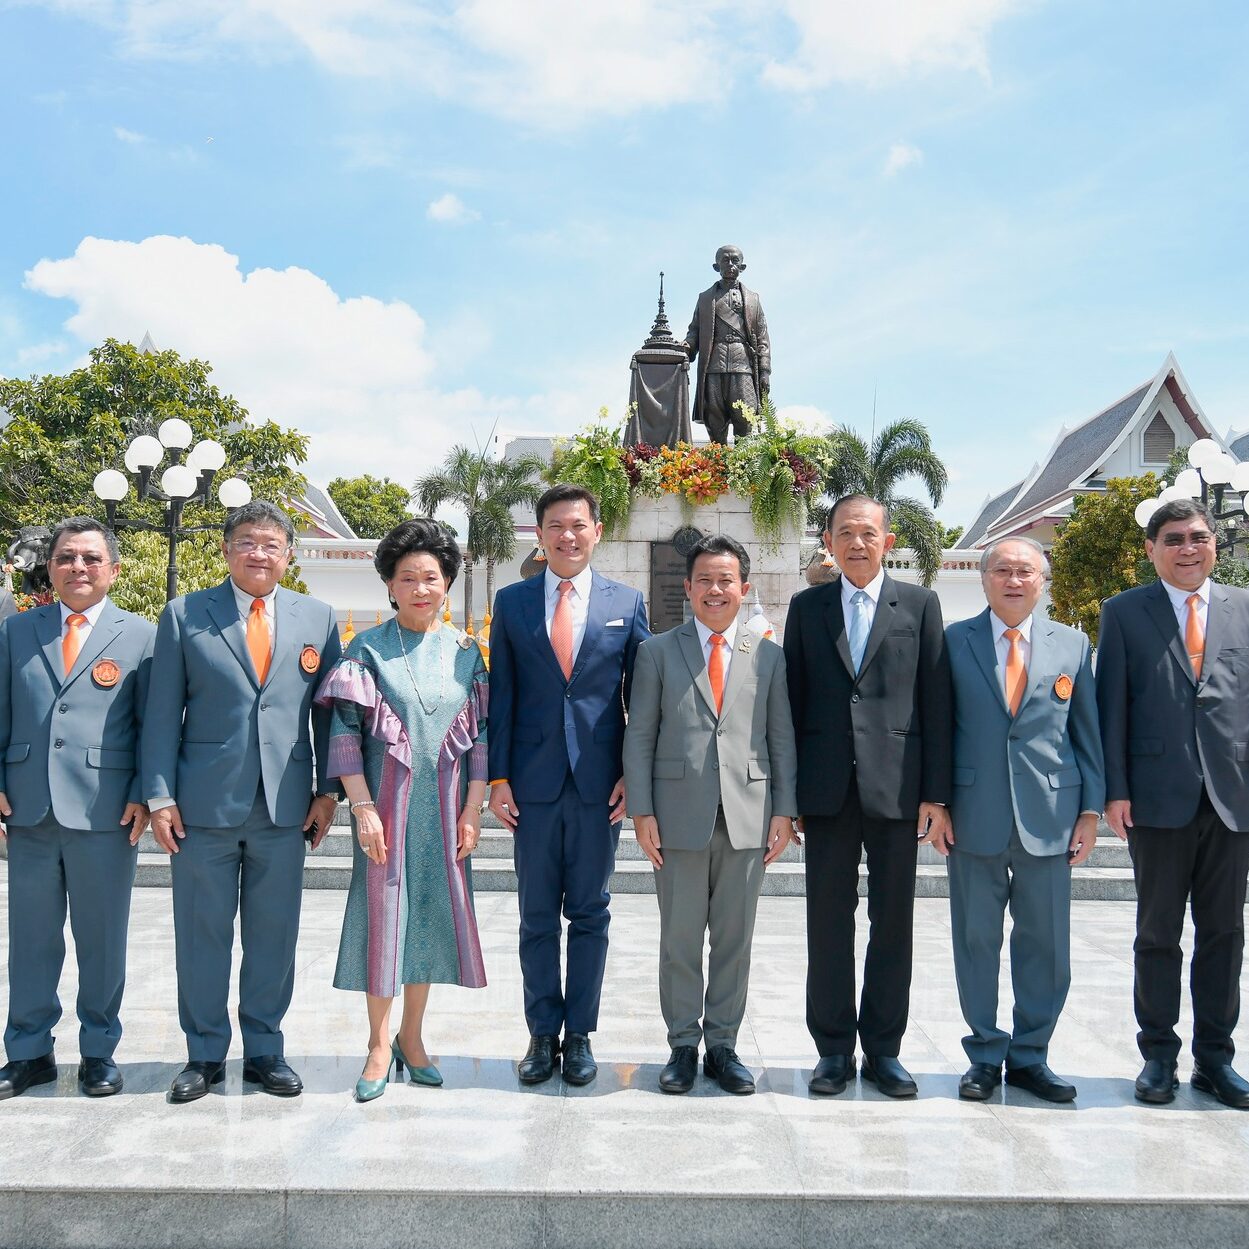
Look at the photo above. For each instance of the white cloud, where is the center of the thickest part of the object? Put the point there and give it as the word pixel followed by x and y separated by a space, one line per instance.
pixel 902 155
pixel 557 63
pixel 356 374
pixel 449 209
pixel 846 41
pixel 129 136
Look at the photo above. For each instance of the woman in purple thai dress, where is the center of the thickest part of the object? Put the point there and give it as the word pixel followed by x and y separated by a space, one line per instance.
pixel 409 744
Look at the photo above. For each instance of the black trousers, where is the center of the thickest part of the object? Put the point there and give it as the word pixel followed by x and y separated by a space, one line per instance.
pixel 834 846
pixel 1207 862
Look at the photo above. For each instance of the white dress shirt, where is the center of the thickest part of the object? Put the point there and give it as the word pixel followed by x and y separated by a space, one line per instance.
pixel 872 590
pixel 245 601
pixel 1179 602
pixel 1001 644
pixel 92 614
pixel 704 638
pixel 578 601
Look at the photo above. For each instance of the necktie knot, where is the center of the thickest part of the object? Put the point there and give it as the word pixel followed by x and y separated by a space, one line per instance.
pixel 258 604
pixel 717 639
pixel 565 587
pixel 76 620
pixel 1194 601
pixel 1013 634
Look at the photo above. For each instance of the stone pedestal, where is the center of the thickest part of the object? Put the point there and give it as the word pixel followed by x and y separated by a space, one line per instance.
pixel 627 557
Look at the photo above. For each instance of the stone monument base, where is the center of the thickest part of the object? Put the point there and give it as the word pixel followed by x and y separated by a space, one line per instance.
pixel 644 556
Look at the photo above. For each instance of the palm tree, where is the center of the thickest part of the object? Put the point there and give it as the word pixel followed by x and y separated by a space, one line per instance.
pixel 486 490
pixel 902 449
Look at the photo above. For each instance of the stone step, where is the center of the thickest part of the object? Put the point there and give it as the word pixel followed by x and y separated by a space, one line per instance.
pixel 635 876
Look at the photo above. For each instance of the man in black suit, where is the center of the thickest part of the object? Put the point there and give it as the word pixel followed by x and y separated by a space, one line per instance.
pixel 869 684
pixel 1172 690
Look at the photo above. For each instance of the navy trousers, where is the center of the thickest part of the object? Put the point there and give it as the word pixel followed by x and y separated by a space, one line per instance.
pixel 565 851
pixel 255 871
pixel 52 869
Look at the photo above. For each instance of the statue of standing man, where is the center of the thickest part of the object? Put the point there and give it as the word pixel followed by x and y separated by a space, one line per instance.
pixel 729 336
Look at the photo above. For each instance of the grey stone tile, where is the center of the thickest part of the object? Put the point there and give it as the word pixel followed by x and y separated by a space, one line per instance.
pixel 345 1220
pixel 692 1221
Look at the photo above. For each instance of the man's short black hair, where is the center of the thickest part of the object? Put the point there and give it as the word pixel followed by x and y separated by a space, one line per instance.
pixel 856 498
pixel 259 512
pixel 84 524
pixel 718 544
pixel 564 492
pixel 1178 509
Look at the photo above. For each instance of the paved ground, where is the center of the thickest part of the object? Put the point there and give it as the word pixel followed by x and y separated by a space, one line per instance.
pixel 516 1152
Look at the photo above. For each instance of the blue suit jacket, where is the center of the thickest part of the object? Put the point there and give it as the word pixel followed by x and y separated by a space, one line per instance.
pixel 68 743
pixel 212 734
pixel 542 725
pixel 1037 770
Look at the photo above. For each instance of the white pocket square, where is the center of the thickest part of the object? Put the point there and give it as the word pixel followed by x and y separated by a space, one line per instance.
pixel 616 624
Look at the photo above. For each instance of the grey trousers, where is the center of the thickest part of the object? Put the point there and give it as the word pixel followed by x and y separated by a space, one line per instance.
pixel 720 392
pixel 255 870
pixel 1038 891
pixel 52 869
pixel 714 889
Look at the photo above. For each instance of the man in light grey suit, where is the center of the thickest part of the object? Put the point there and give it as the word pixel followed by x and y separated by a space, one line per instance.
pixel 228 744
pixel 1029 783
pixel 73 679
pixel 710 769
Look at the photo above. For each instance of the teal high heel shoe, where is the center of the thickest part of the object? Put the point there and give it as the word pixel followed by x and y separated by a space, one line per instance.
pixel 429 1076
pixel 370 1090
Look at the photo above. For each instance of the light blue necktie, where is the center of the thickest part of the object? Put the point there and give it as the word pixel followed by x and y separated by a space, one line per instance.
pixel 858 627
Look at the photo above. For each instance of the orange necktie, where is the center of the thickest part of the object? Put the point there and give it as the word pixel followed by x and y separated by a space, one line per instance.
pixel 71 643
pixel 1195 635
pixel 715 670
pixel 561 629
pixel 1016 673
pixel 258 639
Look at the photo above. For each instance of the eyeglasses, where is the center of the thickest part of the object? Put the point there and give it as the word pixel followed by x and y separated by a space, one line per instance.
pixel 1005 573
pixel 1188 539
pixel 89 561
pixel 271 550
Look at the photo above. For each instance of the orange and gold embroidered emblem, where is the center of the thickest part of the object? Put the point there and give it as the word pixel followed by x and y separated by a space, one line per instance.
pixel 310 659
pixel 106 673
pixel 1063 687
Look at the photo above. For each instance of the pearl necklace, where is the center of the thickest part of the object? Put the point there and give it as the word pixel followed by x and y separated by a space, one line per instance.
pixel 442 654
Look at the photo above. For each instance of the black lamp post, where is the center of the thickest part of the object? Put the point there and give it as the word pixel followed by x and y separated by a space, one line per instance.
pixel 182 482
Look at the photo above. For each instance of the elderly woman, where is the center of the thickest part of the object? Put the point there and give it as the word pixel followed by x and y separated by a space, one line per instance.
pixel 409 744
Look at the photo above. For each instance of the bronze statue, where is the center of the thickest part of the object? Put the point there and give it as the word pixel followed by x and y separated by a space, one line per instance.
pixel 659 388
pixel 729 336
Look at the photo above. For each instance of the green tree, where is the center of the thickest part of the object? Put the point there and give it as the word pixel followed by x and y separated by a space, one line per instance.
pixel 372 507
pixel 1099 552
pixel 949 535
pixel 65 428
pixel 485 490
pixel 902 450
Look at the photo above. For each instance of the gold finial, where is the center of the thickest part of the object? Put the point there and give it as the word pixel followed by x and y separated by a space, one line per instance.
pixel 349 631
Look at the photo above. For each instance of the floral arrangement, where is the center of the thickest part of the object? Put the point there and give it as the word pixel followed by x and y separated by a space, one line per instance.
pixel 778 466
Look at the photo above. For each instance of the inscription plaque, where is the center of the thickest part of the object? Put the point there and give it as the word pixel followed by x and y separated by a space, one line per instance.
pixel 668 606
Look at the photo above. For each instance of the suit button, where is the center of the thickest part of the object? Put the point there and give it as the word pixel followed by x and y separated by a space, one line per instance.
pixel 719 732
pixel 63 708
pixel 854 698
pixel 59 743
pixel 568 693
pixel 264 706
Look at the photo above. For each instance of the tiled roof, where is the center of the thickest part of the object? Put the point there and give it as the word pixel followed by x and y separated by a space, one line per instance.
pixel 321 509
pixel 1078 452
pixel 976 531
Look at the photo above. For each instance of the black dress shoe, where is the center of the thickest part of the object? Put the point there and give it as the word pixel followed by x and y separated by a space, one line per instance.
pixel 1041 1082
pixel 678 1075
pixel 194 1080
pixel 19 1075
pixel 578 1061
pixel 274 1073
pixel 1221 1082
pixel 889 1075
pixel 99 1077
pixel 979 1082
pixel 1157 1082
pixel 832 1074
pixel 723 1065
pixel 538 1064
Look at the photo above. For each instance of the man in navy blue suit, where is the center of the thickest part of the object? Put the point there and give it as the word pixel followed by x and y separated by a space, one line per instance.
pixel 562 647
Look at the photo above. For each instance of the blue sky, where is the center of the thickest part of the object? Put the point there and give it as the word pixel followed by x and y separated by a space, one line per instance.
pixel 391 223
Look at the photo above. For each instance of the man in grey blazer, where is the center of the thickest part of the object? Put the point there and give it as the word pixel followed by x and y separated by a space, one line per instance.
pixel 73 679
pixel 710 770
pixel 228 743
pixel 1173 689
pixel 1028 786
